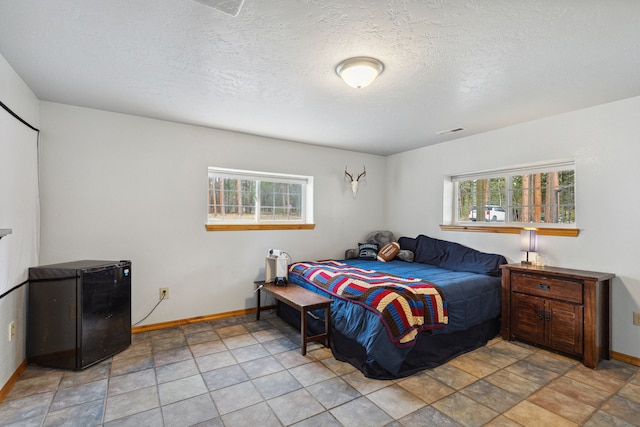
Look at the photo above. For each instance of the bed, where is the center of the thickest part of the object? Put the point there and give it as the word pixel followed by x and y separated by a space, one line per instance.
pixel 453 306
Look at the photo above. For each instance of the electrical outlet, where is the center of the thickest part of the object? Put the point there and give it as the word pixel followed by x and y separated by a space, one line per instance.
pixel 636 318
pixel 12 330
pixel 164 293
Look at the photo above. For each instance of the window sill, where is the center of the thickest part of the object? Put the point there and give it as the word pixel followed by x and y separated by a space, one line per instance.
pixel 542 231
pixel 240 227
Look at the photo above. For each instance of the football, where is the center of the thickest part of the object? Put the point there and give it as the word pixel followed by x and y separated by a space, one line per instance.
pixel 388 252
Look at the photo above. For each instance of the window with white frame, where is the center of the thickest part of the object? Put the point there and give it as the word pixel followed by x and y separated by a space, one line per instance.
pixel 540 194
pixel 250 197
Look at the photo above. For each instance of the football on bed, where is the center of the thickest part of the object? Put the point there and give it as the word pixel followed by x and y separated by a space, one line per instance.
pixel 386 247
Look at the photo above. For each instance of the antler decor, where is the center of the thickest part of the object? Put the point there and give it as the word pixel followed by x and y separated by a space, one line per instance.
pixel 354 182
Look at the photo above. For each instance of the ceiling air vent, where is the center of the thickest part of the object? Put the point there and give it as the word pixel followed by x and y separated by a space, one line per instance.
pixel 230 7
pixel 444 132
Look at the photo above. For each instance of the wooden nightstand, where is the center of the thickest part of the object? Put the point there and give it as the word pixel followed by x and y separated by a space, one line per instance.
pixel 565 310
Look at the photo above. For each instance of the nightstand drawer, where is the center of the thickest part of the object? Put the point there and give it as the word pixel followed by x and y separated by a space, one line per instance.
pixel 547 287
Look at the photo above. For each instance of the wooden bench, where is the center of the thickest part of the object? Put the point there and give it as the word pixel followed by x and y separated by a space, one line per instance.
pixel 302 300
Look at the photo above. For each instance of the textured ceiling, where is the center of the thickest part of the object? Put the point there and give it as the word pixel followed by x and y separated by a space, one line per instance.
pixel 270 70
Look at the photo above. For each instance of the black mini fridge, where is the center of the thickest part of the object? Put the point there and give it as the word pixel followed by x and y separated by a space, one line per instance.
pixel 79 313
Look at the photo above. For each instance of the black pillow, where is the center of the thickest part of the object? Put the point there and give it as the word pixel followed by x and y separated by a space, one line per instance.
pixel 463 258
pixel 430 250
pixel 407 243
pixel 367 250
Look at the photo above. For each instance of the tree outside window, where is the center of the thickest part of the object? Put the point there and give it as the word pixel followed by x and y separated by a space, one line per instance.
pixel 545 195
pixel 237 196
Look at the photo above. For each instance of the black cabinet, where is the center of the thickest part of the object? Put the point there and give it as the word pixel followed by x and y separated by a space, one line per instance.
pixel 79 313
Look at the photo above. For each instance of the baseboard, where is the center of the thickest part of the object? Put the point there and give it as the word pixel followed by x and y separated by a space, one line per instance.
pixel 625 358
pixel 182 322
pixel 14 378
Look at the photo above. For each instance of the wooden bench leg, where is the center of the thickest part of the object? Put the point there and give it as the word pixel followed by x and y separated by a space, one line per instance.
pixel 327 325
pixel 303 330
pixel 258 297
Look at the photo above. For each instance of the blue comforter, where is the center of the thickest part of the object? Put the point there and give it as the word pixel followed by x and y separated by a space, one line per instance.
pixel 471 298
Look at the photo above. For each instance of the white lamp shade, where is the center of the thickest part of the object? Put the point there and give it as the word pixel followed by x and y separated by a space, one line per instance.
pixel 528 240
pixel 359 72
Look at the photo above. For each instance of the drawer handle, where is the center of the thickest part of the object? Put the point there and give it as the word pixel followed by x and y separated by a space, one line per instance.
pixel 540 314
pixel 544 287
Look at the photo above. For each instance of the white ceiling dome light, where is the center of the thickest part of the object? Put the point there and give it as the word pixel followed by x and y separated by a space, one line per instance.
pixel 360 71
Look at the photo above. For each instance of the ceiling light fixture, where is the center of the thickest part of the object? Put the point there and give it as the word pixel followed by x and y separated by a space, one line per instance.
pixel 360 71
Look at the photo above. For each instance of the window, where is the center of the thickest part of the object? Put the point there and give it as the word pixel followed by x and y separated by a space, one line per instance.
pixel 249 197
pixel 542 194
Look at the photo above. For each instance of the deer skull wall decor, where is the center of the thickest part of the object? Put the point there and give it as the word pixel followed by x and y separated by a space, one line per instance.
pixel 355 182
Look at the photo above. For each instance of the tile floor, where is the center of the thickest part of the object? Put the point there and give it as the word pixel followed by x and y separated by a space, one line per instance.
pixel 239 372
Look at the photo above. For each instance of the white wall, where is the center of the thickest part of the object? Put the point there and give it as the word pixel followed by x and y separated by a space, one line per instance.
pixel 603 140
pixel 18 97
pixel 116 187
